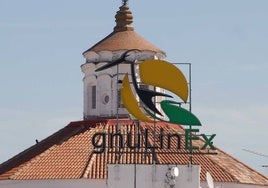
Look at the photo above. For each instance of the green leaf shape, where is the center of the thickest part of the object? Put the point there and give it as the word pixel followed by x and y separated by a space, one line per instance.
pixel 179 115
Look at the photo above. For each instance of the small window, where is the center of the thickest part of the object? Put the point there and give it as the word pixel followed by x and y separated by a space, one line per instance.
pixel 105 99
pixel 119 100
pixel 93 97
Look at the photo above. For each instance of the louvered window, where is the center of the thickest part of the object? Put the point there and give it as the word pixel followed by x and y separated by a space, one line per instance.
pixel 93 97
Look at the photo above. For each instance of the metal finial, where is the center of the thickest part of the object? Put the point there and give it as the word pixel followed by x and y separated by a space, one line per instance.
pixel 123 18
pixel 124 2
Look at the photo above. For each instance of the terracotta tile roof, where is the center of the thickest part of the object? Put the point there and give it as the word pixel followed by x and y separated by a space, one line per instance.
pixel 124 40
pixel 68 154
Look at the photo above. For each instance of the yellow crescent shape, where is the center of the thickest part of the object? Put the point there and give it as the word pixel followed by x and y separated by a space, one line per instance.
pixel 165 75
pixel 130 101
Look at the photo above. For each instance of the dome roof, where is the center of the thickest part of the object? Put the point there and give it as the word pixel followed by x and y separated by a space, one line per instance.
pixel 123 40
pixel 124 37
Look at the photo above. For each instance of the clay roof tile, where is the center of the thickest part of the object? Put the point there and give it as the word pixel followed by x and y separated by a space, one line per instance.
pixel 69 154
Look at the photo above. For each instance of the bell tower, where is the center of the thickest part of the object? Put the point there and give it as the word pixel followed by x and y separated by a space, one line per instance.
pixel 101 89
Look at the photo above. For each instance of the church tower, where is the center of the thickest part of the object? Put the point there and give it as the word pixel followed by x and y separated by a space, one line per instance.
pixel 101 89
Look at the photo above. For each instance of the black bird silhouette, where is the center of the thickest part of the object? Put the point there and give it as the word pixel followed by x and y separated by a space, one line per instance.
pixel 144 94
pixel 122 59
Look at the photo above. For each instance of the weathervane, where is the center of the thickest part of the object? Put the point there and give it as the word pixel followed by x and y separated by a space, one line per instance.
pixel 124 2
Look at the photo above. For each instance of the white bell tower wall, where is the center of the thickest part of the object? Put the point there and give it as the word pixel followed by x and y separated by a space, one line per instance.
pixel 101 89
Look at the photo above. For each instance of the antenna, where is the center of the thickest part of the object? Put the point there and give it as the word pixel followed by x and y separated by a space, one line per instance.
pixel 209 180
pixel 124 2
pixel 257 153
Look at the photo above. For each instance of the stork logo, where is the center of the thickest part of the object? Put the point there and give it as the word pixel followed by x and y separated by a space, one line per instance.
pixel 161 74
pixel 157 73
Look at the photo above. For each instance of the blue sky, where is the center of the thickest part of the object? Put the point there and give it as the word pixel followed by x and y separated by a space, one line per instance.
pixel 41 45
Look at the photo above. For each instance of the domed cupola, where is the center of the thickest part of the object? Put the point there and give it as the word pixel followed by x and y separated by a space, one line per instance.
pixel 101 88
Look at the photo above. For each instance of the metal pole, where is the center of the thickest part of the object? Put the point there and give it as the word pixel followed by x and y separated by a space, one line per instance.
pixel 117 111
pixel 190 108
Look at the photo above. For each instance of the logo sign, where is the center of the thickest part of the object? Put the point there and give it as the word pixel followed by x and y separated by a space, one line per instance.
pixel 162 74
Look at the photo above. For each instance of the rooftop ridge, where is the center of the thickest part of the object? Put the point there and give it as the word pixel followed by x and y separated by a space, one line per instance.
pixel 93 123
pixel 36 149
pixel 240 162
